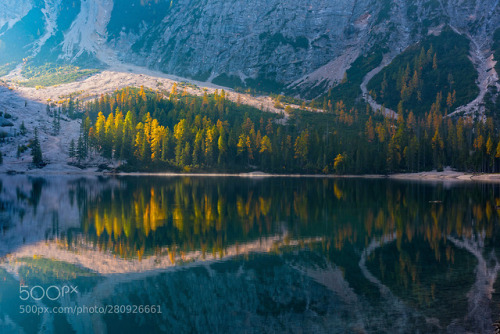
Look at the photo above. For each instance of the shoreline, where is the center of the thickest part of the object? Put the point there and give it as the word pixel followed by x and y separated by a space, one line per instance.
pixel 432 176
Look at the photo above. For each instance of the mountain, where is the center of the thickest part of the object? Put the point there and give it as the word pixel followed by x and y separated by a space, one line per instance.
pixel 267 45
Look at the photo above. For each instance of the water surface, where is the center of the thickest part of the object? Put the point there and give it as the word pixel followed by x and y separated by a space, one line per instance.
pixel 245 255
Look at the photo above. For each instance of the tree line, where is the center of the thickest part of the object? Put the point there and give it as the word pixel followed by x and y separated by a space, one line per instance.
pixel 159 131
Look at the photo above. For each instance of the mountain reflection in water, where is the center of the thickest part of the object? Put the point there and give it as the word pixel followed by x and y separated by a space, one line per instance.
pixel 229 254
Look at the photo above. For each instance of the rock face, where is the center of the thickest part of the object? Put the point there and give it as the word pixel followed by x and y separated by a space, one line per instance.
pixel 276 40
pixel 285 42
pixel 13 11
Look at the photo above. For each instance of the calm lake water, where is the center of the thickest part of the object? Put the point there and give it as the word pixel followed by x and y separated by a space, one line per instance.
pixel 245 255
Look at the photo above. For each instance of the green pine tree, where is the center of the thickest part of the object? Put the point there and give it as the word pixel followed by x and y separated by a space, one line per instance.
pixel 80 149
pixel 36 150
pixel 22 129
pixel 72 148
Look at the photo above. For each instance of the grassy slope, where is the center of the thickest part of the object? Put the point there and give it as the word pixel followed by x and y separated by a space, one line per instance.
pixel 50 74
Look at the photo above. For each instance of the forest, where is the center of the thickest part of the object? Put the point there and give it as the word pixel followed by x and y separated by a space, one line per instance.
pixel 172 131
pixel 438 64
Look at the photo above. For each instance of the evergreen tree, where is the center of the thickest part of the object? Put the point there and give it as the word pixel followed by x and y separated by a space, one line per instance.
pixel 80 149
pixel 22 129
pixel 222 146
pixel 100 131
pixel 186 155
pixel 109 131
pixel 72 149
pixel 36 150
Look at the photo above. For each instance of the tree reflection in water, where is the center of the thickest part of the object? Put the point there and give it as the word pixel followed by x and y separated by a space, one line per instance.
pixel 139 215
pixel 412 246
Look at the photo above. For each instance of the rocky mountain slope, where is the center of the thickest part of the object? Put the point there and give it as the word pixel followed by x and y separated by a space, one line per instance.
pixel 267 45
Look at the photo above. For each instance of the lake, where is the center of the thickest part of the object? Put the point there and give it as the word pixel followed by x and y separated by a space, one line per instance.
pixel 247 255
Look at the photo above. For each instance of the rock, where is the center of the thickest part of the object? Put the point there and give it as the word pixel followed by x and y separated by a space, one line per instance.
pixel 274 40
